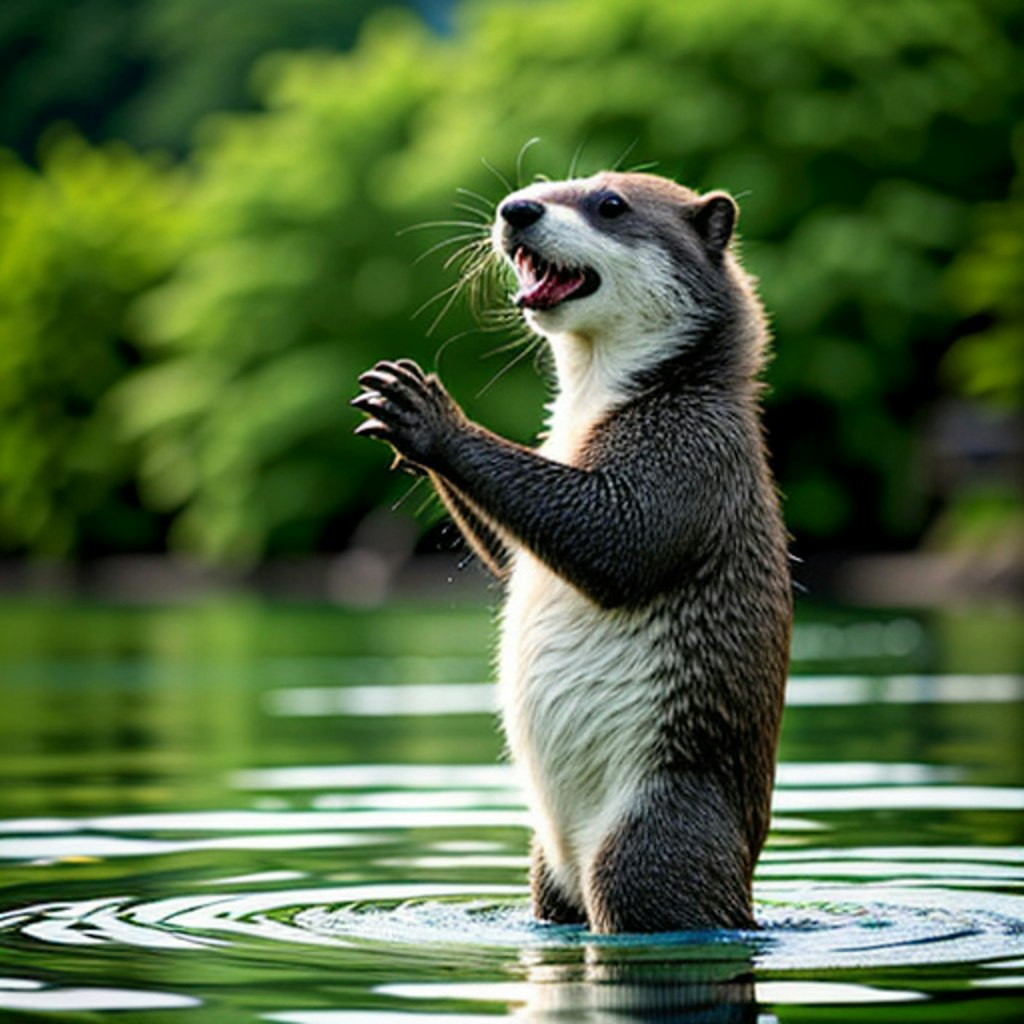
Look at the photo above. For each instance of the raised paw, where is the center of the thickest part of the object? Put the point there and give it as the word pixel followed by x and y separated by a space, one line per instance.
pixel 408 409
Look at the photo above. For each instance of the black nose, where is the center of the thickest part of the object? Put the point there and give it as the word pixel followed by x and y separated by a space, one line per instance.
pixel 521 213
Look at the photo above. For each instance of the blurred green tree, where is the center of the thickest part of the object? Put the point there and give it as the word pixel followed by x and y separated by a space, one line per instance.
pixel 79 241
pixel 859 137
pixel 146 71
pixel 984 515
pixel 294 277
pixel 987 281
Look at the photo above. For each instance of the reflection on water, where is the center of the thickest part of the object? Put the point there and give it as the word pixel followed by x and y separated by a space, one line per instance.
pixel 297 815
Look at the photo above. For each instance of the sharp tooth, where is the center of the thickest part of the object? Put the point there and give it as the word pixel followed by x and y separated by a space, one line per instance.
pixel 524 265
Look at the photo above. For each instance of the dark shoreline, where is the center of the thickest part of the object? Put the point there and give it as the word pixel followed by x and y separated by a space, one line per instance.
pixel 368 577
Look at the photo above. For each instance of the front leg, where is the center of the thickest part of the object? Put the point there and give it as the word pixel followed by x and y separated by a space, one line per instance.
pixel 413 412
pixel 598 527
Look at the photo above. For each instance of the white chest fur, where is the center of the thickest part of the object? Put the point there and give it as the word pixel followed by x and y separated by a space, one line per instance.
pixel 579 684
pixel 579 701
pixel 593 378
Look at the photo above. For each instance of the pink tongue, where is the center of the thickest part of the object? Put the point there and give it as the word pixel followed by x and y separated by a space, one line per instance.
pixel 548 291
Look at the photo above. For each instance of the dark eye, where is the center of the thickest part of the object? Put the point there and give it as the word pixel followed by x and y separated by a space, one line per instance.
pixel 612 205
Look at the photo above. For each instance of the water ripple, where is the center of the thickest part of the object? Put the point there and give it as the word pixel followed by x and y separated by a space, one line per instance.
pixel 803 926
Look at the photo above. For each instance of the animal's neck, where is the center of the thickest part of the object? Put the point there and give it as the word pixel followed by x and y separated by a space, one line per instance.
pixel 594 375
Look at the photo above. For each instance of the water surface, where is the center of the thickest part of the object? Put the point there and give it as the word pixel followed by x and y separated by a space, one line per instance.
pixel 241 812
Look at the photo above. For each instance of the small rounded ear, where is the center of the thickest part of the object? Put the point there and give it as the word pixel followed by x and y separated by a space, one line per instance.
pixel 714 220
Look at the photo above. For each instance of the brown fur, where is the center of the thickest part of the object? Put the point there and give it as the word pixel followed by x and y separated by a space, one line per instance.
pixel 656 529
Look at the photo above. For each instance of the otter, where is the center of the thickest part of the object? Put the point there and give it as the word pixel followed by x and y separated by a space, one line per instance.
pixel 646 626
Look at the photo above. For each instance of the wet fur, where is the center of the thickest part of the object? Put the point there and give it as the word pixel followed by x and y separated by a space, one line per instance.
pixel 646 628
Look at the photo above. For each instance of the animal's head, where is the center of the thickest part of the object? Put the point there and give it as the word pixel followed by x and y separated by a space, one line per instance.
pixel 617 253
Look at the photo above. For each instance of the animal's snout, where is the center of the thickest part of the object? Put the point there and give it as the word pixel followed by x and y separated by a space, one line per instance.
pixel 521 213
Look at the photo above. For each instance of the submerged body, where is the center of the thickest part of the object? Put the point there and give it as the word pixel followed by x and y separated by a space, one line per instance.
pixel 646 628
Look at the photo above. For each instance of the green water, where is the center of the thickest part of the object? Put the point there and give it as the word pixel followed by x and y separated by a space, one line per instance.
pixel 241 812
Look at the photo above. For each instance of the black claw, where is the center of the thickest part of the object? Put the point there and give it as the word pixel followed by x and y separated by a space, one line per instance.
pixel 366 400
pixel 404 370
pixel 412 366
pixel 372 428
pixel 375 378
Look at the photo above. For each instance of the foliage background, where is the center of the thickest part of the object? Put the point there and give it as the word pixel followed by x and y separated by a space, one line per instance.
pixel 181 326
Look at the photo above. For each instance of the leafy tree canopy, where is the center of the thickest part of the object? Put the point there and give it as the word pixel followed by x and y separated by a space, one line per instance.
pixel 861 139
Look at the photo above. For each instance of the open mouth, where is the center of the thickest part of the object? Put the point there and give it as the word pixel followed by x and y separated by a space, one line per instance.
pixel 543 285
